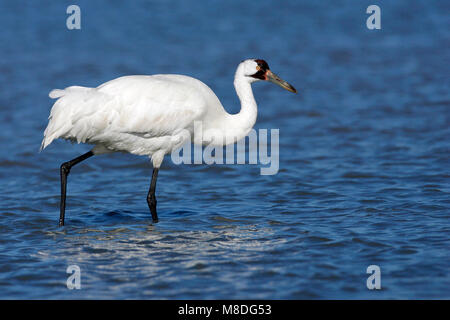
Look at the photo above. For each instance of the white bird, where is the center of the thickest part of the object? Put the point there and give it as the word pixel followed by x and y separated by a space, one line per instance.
pixel 149 115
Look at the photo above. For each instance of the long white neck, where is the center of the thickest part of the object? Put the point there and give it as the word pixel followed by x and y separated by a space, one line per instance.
pixel 237 126
pixel 246 117
pixel 228 128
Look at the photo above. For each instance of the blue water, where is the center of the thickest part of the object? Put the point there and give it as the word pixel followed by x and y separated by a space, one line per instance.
pixel 364 154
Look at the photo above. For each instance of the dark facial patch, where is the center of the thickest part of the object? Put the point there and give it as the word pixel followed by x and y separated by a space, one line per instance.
pixel 263 67
pixel 262 64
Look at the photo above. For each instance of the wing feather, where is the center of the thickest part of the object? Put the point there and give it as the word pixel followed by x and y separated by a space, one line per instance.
pixel 146 106
pixel 155 106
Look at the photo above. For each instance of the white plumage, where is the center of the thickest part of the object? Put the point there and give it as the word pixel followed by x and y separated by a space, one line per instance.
pixel 136 114
pixel 149 115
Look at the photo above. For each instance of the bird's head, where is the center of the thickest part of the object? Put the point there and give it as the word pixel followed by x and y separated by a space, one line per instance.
pixel 258 69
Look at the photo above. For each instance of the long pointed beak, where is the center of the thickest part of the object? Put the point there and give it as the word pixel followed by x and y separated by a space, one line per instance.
pixel 272 77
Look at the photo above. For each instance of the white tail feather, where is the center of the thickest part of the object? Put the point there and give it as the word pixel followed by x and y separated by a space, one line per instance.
pixel 60 116
pixel 56 93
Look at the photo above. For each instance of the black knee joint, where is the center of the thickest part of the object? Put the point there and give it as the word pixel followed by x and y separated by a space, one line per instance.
pixel 65 168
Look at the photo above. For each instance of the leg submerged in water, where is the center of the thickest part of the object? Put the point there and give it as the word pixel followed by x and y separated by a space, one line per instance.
pixel 64 171
pixel 151 198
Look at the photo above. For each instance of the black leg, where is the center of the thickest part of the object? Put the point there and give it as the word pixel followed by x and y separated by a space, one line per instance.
pixel 151 198
pixel 65 170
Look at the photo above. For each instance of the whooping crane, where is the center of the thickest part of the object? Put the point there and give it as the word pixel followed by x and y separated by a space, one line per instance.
pixel 147 115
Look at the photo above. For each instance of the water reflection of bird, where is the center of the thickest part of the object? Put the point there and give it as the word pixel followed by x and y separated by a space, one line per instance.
pixel 150 115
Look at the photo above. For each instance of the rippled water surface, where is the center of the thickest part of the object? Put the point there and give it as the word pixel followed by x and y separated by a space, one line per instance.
pixel 364 154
